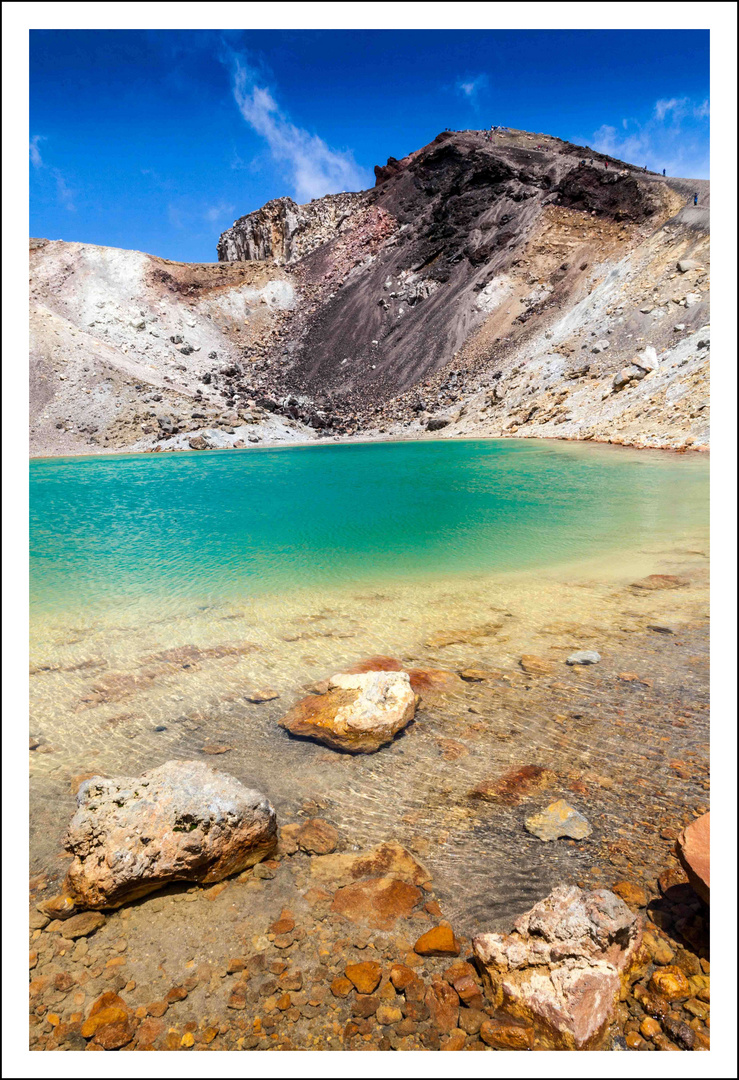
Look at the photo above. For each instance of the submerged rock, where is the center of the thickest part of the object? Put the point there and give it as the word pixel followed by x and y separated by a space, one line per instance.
pixel 514 785
pixel 694 852
pixel 587 656
pixel 534 665
pixel 563 966
pixel 183 821
pixel 656 582
pixel 559 819
pixel 359 712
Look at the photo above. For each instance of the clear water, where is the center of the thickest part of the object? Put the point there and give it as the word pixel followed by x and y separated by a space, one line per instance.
pixel 107 531
pixel 164 587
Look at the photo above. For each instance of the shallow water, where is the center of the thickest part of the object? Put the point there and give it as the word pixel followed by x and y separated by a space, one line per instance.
pixel 164 588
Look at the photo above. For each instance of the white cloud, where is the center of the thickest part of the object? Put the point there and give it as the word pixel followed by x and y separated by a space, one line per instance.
pixel 674 137
pixel 676 106
pixel 470 88
pixel 64 193
pixel 313 167
pixel 220 210
pixel 36 160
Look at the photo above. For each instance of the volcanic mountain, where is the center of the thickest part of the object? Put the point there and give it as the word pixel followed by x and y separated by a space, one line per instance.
pixel 490 283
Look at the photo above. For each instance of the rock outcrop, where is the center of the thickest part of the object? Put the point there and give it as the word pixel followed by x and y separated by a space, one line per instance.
pixel 358 713
pixel 694 852
pixel 183 821
pixel 563 966
pixel 281 232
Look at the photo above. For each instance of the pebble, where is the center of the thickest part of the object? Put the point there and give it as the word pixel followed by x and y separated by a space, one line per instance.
pixel 587 656
pixel 558 820
pixel 439 941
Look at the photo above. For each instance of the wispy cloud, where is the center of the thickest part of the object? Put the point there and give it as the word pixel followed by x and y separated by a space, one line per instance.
pixel 674 137
pixel 471 87
pixel 64 193
pixel 35 154
pixel 312 167
pixel 220 210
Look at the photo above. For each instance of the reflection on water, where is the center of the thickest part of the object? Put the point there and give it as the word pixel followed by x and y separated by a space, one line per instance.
pixel 165 589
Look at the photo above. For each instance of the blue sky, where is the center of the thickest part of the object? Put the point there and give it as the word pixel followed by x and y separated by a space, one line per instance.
pixel 159 140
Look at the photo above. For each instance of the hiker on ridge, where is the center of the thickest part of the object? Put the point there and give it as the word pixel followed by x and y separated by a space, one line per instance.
pixel 695 199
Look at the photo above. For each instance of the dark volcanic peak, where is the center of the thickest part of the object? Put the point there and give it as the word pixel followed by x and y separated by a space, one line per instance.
pixel 399 273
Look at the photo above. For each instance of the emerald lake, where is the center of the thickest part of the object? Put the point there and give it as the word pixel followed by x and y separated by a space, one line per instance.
pixel 107 531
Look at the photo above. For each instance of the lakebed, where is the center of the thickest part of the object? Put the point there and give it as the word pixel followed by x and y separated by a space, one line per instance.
pixel 168 592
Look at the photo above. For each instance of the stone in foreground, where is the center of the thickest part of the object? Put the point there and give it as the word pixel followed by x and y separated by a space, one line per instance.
pixel 558 820
pixel 563 966
pixel 183 821
pixel 359 712
pixel 694 852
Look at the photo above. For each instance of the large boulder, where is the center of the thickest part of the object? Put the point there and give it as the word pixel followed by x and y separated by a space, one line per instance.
pixel 184 821
pixel 563 966
pixel 360 712
pixel 694 852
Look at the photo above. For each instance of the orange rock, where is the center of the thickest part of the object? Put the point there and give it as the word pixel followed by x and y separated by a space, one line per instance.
pixel 507 1035
pixel 514 785
pixel 388 1015
pixel 111 1015
pixel 670 983
pixel 439 941
pixel 633 895
pixel 375 663
pixel 378 902
pixel 443 1003
pixel 694 852
pixel 365 976
pixel 431 683
pixel 114 1036
pixel 401 976
pixel 455 1040
pixel 341 987
pixel 317 837
pixel 534 665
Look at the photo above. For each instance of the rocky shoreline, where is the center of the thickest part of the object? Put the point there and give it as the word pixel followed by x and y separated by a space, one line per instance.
pixel 326 944
pixel 315 950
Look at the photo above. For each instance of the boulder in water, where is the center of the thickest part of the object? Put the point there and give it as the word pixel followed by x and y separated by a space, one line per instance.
pixel 358 713
pixel 183 821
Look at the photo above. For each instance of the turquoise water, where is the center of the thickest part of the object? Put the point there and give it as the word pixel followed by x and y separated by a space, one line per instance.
pixel 111 530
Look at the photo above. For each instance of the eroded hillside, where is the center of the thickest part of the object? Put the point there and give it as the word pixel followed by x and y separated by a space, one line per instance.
pixel 512 284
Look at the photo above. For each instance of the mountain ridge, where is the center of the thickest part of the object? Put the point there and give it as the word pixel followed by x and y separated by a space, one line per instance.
pixel 416 302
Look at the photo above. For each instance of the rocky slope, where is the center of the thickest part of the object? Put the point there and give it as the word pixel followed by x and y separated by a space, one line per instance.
pixel 505 285
pixel 131 352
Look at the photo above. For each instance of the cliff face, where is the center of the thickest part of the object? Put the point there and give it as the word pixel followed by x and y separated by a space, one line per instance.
pixel 282 232
pixel 517 285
